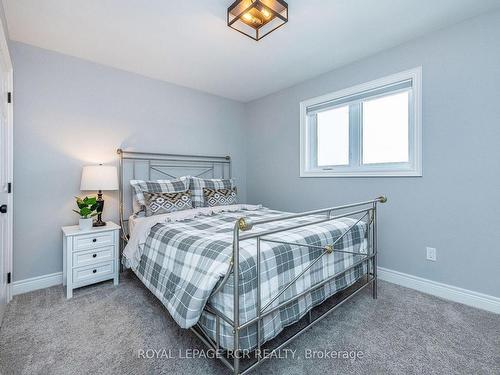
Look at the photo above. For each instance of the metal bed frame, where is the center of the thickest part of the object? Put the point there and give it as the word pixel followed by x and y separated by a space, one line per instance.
pixel 242 231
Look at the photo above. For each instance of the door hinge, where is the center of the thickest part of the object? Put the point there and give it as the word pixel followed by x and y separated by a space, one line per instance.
pixel 8 278
pixel 9 187
pixel 9 97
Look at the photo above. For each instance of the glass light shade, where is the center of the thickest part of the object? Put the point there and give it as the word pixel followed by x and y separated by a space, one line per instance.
pixel 257 18
pixel 99 177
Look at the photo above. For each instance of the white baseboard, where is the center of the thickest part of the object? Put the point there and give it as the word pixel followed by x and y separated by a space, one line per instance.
pixel 35 283
pixel 449 292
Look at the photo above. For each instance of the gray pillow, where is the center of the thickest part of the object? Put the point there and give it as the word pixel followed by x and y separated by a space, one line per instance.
pixel 219 197
pixel 197 184
pixel 164 203
pixel 160 186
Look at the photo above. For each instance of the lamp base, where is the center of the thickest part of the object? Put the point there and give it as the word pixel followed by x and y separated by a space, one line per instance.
pixel 99 223
pixel 100 207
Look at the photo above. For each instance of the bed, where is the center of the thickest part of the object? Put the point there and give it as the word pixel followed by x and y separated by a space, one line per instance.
pixel 282 264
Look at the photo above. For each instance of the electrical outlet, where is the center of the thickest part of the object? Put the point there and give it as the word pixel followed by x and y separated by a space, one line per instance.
pixel 431 254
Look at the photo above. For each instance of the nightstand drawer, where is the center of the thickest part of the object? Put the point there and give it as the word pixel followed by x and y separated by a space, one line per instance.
pixel 83 274
pixel 85 258
pixel 92 241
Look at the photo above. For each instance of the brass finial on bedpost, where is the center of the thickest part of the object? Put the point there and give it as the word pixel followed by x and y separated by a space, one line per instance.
pixel 244 224
pixel 382 199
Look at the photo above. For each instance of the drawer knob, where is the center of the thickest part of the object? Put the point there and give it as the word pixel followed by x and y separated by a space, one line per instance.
pixel 94 255
pixel 94 271
pixel 94 240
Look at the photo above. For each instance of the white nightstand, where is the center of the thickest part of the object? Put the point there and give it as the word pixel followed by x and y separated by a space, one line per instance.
pixel 90 256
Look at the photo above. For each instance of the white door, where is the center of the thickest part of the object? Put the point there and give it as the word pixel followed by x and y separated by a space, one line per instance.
pixel 6 217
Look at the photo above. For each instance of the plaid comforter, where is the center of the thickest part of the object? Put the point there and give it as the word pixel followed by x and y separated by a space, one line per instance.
pixel 182 262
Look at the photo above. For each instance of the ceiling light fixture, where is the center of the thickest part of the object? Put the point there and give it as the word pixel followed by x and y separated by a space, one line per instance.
pixel 257 18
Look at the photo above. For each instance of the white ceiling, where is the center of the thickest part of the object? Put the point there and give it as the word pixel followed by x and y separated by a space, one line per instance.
pixel 188 43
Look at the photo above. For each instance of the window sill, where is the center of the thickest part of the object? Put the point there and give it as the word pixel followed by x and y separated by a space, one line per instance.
pixel 322 173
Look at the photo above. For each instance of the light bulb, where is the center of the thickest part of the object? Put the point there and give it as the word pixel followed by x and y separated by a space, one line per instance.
pixel 266 13
pixel 247 16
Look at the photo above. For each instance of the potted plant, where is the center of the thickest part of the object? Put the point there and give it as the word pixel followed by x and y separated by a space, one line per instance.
pixel 87 210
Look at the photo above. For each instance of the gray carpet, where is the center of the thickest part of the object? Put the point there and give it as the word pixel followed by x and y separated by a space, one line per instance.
pixel 103 328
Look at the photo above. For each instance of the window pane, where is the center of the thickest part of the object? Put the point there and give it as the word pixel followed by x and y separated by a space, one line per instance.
pixel 385 129
pixel 333 137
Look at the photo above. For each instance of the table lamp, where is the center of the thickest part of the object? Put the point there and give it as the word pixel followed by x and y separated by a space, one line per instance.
pixel 99 177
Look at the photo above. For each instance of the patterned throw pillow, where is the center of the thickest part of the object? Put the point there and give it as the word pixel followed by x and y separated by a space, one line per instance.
pixel 219 197
pixel 163 203
pixel 161 186
pixel 197 184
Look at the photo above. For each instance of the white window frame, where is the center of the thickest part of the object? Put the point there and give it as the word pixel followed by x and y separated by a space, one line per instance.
pixel 413 168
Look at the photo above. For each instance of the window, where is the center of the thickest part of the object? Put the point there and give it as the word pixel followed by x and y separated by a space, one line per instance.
pixel 373 129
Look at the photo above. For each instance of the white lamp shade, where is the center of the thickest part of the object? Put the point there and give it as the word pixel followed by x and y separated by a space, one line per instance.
pixel 99 177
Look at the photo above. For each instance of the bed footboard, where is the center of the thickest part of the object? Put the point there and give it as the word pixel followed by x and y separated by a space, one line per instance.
pixel 366 211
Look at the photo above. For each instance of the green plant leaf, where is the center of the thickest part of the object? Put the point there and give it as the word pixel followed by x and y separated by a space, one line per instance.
pixel 85 211
pixel 88 207
pixel 92 200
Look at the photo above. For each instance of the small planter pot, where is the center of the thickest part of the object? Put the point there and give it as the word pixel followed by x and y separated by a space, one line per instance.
pixel 85 224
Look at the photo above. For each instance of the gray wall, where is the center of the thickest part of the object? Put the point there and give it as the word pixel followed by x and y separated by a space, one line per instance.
pixel 62 103
pixel 69 113
pixel 455 205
